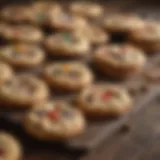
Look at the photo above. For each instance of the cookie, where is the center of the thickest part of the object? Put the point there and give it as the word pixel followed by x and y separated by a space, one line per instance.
pixel 63 21
pixel 10 148
pixel 23 91
pixel 69 76
pixel 104 100
pixel 119 60
pixel 6 72
pixel 23 33
pixel 122 23
pixel 16 13
pixel 94 34
pixel 86 9
pixel 43 12
pixel 148 37
pixel 56 120
pixel 22 55
pixel 67 44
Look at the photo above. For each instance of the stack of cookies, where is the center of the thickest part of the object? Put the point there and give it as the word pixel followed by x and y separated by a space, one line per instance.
pixel 47 48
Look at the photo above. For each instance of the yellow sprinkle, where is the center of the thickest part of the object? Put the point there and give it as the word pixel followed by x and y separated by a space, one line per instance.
pixel 19 47
pixel 66 67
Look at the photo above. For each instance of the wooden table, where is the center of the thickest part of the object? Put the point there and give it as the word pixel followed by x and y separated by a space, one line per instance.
pixel 141 142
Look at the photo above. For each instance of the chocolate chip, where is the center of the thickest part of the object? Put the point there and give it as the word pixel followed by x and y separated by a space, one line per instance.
pixel 57 71
pixel 67 113
pixel 15 54
pixel 89 98
pixel 40 113
pixel 117 56
pixel 73 74
pixel 1 153
pixel 8 83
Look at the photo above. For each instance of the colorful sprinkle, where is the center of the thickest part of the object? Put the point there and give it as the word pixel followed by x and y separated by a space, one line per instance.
pixel 19 48
pixel 66 67
pixel 53 115
pixel 107 96
pixel 67 37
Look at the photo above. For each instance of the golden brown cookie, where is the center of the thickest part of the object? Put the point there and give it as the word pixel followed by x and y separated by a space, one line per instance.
pixel 23 91
pixel 56 120
pixel 67 44
pixel 10 148
pixel 43 12
pixel 86 9
pixel 22 55
pixel 104 100
pixel 94 34
pixel 23 33
pixel 16 13
pixel 148 37
pixel 6 72
pixel 123 23
pixel 69 76
pixel 119 60
pixel 63 21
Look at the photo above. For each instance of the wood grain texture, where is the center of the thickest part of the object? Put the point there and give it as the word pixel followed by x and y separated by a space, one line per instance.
pixel 141 143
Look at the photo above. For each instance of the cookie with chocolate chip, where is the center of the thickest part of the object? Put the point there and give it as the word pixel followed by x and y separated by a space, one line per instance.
pixel 43 12
pixel 66 22
pixel 94 34
pixel 67 44
pixel 16 13
pixel 10 149
pixel 6 72
pixel 22 55
pixel 86 9
pixel 23 33
pixel 23 91
pixel 119 60
pixel 122 23
pixel 68 76
pixel 55 120
pixel 148 37
pixel 104 100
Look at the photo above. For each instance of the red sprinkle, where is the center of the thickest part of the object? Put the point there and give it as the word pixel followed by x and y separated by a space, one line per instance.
pixel 107 96
pixel 53 115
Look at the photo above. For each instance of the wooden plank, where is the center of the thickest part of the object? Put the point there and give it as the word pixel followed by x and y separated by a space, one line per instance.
pixel 140 143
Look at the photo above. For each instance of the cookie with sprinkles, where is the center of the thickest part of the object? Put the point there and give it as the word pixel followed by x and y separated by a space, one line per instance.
pixel 22 55
pixel 68 76
pixel 43 12
pixel 16 13
pixel 10 148
pixel 66 22
pixel 122 23
pixel 148 37
pixel 94 34
pixel 119 60
pixel 86 9
pixel 23 33
pixel 104 100
pixel 6 72
pixel 67 44
pixel 56 120
pixel 23 91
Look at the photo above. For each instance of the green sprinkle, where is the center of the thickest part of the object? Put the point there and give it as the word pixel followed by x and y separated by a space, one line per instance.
pixel 67 37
